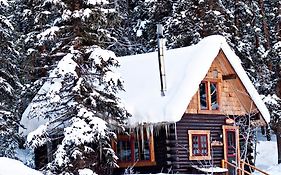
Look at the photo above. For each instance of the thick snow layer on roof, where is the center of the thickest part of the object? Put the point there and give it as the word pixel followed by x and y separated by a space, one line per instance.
pixel 51 89
pixel 185 69
pixel 15 167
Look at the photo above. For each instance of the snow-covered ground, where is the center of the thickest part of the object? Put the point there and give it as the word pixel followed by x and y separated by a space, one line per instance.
pixel 15 167
pixel 267 156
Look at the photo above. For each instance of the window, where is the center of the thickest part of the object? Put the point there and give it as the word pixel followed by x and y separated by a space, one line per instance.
pixel 199 145
pixel 135 149
pixel 203 95
pixel 208 95
pixel 231 143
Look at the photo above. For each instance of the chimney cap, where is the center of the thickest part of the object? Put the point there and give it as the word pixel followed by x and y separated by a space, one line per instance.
pixel 159 30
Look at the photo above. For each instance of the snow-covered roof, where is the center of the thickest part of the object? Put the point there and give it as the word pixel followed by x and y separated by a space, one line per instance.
pixel 185 69
pixel 50 89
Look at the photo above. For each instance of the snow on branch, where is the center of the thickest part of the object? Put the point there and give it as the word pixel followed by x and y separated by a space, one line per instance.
pixel 38 137
pixel 96 2
pixel 48 34
pixel 4 3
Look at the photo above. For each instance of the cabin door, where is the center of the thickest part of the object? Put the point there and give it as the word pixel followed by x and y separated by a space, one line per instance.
pixel 231 148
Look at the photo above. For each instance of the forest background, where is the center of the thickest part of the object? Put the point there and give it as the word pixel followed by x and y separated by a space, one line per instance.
pixel 35 35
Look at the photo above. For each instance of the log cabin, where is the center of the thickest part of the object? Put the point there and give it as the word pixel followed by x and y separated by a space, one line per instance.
pixel 192 121
pixel 195 124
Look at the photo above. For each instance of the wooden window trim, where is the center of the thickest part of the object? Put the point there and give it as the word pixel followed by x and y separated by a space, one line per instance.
pixel 141 163
pixel 209 106
pixel 199 132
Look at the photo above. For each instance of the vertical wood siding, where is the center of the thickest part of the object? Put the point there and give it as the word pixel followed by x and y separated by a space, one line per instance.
pixel 234 98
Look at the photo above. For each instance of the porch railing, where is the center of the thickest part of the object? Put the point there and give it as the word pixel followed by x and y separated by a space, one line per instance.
pixel 243 163
pixel 240 169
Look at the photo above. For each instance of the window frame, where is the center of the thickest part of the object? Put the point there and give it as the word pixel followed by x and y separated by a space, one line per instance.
pixel 208 93
pixel 192 133
pixel 132 139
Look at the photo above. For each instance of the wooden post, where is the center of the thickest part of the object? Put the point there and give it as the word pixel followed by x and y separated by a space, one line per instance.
pixel 242 166
pixel 49 150
pixel 222 163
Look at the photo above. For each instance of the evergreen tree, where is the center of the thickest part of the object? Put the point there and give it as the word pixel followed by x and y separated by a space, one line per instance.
pixel 270 82
pixel 79 101
pixel 9 83
pixel 64 39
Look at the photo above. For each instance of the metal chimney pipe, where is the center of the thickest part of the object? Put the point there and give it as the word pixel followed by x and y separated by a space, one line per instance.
pixel 160 40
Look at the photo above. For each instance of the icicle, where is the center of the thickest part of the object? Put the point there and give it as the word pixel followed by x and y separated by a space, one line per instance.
pixel 142 138
pixel 151 129
pixel 157 130
pixel 176 135
pixel 137 133
pixel 166 130
pixel 147 132
pixel 137 140
pixel 100 151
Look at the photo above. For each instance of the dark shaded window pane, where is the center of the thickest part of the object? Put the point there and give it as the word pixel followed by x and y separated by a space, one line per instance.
pixel 124 150
pixel 135 148
pixel 199 145
pixel 203 144
pixel 142 151
pixel 145 154
pixel 195 146
pixel 203 96
pixel 214 96
pixel 231 145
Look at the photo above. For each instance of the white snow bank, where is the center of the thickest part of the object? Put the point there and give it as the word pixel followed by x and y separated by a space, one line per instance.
pixel 168 174
pixel 267 156
pixel 86 171
pixel 95 2
pixel 185 69
pixel 274 170
pixel 213 170
pixel 15 167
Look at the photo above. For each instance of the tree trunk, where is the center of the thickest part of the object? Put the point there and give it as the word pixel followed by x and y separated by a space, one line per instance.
pixel 278 87
pixel 264 24
pixel 278 136
pixel 236 18
pixel 279 23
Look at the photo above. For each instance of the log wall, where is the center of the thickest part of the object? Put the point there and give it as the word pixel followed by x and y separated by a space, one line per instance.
pixel 162 152
pixel 213 123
